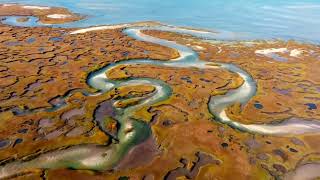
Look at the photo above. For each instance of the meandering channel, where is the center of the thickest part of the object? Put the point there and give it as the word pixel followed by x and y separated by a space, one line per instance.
pixel 133 131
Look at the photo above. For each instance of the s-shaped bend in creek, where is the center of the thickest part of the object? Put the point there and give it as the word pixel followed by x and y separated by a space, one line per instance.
pixel 218 104
pixel 133 131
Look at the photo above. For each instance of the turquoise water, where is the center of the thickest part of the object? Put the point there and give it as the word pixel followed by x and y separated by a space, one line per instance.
pixel 258 19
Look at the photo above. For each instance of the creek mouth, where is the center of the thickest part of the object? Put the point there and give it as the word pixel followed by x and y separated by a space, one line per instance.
pixel 134 131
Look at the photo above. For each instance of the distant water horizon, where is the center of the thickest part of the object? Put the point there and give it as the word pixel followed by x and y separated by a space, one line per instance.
pixel 256 19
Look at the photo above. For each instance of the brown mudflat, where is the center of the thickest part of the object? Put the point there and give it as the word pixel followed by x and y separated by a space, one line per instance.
pixel 40 65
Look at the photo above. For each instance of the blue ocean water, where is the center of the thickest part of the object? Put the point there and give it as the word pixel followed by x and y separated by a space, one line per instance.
pixel 258 19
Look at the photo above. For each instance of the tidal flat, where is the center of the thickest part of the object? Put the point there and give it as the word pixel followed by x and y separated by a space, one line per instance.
pixel 148 100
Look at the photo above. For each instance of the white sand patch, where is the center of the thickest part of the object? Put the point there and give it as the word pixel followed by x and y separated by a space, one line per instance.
pixel 36 7
pixel 271 50
pixel 81 31
pixel 296 53
pixel 58 16
pixel 293 53
pixel 7 5
pixel 198 31
pixel 195 31
pixel 117 26
pixel 198 47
